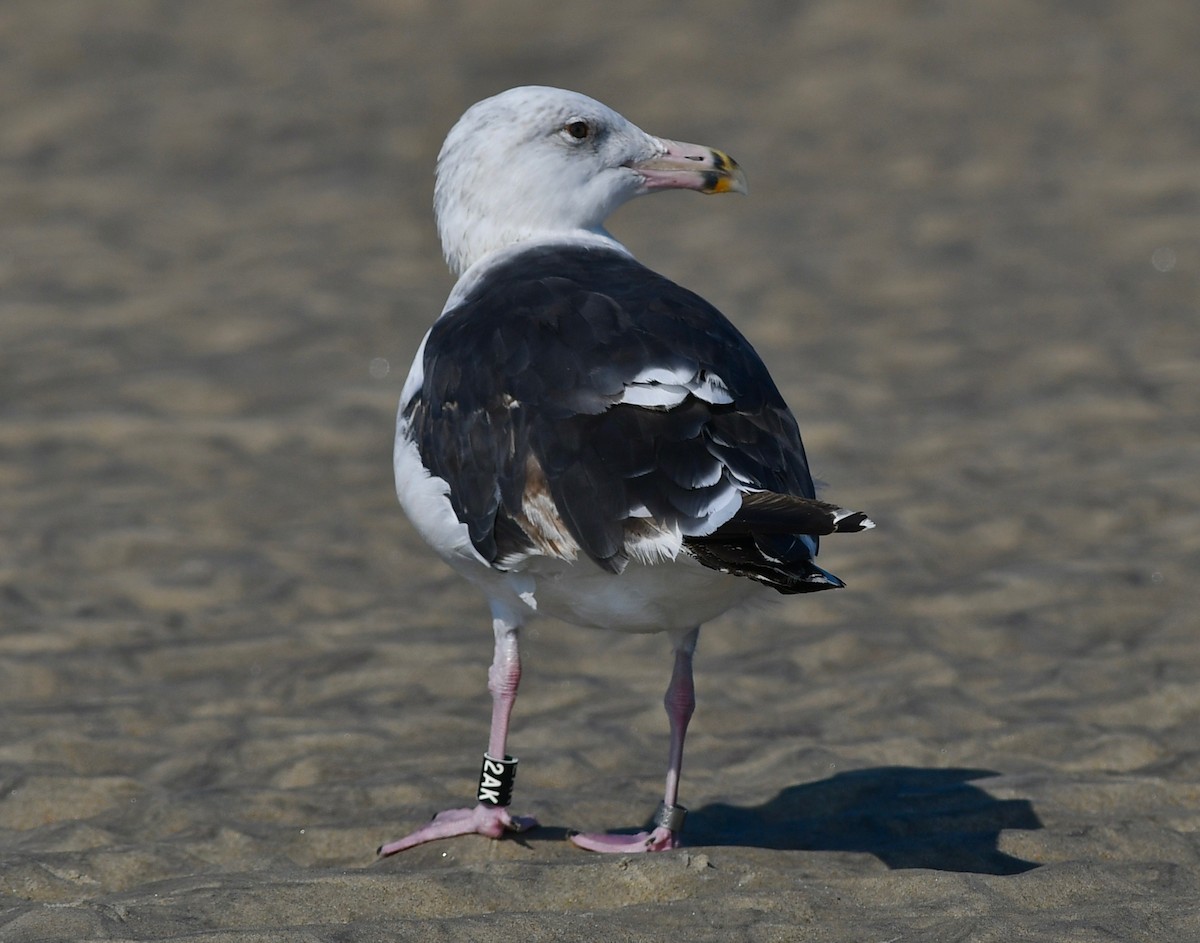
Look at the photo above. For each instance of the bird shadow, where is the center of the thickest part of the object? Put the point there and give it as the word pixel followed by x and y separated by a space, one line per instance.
pixel 905 816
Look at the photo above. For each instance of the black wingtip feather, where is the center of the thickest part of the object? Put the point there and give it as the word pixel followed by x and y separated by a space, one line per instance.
pixel 768 540
pixel 743 557
pixel 765 512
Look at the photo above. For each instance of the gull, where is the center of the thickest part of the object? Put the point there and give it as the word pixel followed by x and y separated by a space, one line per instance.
pixel 583 438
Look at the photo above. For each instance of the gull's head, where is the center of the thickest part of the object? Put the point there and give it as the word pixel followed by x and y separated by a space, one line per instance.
pixel 535 163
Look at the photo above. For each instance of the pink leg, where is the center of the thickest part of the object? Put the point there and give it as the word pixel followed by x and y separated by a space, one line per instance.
pixel 493 821
pixel 680 703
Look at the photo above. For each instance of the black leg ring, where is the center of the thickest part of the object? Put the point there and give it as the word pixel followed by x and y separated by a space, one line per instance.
pixel 496 779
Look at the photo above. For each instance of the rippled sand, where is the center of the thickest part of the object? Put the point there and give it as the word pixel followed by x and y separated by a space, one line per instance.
pixel 228 668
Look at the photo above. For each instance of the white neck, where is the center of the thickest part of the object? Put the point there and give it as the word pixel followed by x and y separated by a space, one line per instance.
pixel 465 247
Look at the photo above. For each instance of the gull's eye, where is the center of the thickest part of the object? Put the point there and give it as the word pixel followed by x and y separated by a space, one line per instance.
pixel 577 129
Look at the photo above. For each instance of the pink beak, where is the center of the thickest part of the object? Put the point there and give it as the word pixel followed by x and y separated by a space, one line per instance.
pixel 690 167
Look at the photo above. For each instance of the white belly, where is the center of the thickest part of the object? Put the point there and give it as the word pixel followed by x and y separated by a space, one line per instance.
pixel 669 596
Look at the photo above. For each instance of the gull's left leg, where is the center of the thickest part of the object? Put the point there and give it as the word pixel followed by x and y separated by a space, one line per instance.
pixel 490 816
pixel 680 703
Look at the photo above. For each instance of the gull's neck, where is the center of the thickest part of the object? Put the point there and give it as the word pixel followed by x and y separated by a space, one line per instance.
pixel 477 269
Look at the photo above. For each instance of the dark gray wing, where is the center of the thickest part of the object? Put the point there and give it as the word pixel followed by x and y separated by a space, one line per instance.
pixel 583 378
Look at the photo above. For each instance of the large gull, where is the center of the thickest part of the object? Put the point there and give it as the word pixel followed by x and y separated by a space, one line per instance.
pixel 581 437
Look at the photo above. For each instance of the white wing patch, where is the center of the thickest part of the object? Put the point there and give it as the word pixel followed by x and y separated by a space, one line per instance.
pixel 649 542
pixel 667 387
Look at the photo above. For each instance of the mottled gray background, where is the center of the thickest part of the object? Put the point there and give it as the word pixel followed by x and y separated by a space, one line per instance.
pixel 228 668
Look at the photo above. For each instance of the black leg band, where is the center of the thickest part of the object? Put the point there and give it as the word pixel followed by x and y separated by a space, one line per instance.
pixel 670 816
pixel 496 779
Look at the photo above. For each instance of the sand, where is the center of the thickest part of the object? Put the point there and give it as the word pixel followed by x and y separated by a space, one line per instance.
pixel 228 667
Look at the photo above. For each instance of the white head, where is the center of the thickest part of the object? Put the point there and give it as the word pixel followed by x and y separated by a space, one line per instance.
pixel 537 162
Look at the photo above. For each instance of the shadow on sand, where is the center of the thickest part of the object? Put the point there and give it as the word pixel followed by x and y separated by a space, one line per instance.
pixel 907 817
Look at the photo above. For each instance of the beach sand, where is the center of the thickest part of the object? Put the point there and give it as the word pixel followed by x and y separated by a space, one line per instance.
pixel 228 667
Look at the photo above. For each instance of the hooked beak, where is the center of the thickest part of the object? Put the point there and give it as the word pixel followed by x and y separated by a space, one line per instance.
pixel 690 167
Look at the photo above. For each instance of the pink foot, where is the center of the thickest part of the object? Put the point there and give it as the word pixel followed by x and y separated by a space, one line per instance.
pixel 489 820
pixel 661 839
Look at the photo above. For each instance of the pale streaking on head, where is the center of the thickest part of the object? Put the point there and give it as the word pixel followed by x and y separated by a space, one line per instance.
pixel 535 163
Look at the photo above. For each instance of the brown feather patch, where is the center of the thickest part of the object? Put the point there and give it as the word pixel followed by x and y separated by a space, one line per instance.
pixel 539 517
